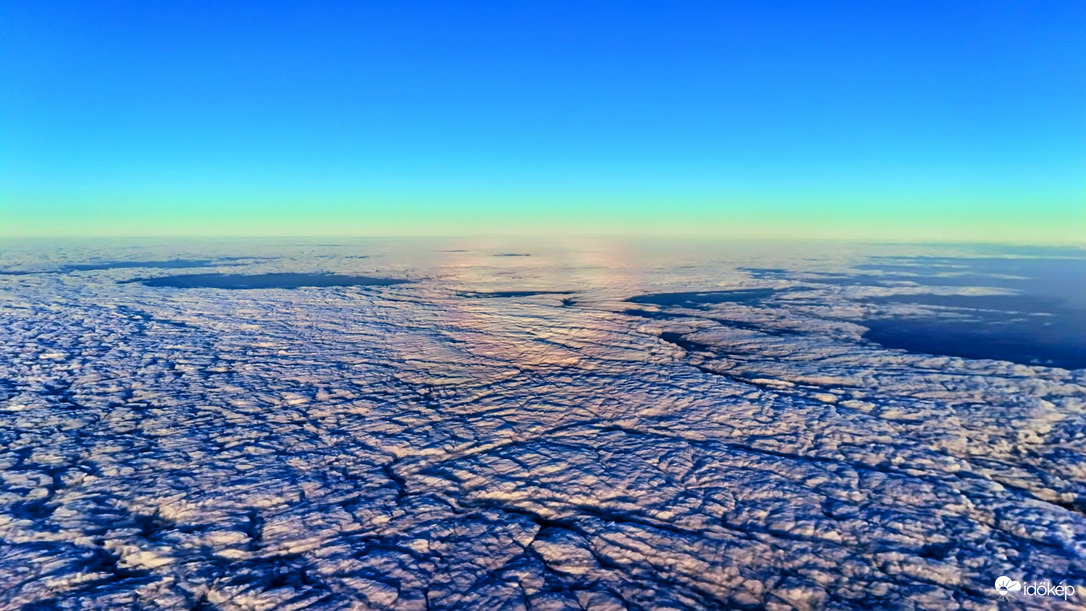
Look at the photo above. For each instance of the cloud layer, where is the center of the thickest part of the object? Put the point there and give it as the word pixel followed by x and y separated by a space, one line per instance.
pixel 610 433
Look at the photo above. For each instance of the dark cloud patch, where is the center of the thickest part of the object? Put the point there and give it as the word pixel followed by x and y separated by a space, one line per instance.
pixel 1042 322
pixel 155 264
pixel 1006 303
pixel 1061 277
pixel 264 281
pixel 699 298
pixel 843 279
pixel 501 294
pixel 171 264
pixel 1028 340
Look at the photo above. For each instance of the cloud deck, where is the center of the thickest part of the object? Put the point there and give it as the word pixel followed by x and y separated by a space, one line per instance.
pixel 407 446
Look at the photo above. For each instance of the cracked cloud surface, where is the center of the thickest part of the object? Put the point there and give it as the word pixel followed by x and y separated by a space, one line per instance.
pixel 351 426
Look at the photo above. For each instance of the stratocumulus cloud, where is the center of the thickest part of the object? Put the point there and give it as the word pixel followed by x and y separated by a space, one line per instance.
pixel 686 436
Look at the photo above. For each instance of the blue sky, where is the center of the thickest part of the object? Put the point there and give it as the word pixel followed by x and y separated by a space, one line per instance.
pixel 906 120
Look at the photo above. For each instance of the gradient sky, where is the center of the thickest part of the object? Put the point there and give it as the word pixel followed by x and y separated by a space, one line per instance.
pixel 886 120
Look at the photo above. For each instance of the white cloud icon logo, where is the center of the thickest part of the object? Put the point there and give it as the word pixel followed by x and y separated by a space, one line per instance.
pixel 1006 586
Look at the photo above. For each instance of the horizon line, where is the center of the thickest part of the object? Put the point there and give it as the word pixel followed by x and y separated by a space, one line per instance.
pixel 557 237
